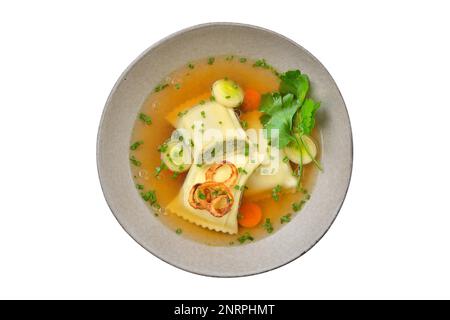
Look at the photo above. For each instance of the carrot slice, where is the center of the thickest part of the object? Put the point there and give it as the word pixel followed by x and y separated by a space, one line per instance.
pixel 252 98
pixel 250 215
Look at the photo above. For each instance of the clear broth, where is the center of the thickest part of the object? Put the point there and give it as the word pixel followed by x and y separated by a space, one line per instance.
pixel 194 83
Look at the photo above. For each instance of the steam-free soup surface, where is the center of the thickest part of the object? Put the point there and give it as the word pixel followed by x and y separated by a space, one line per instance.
pixel 189 85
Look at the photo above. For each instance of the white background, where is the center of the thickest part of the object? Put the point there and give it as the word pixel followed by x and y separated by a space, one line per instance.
pixel 58 63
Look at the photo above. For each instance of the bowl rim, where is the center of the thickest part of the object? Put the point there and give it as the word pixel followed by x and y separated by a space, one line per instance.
pixel 124 74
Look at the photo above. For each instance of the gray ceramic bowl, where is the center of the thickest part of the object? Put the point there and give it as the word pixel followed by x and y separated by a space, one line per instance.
pixel 120 113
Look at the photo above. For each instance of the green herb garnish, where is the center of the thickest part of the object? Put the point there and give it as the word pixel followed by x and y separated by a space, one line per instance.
pixel 182 113
pixel 191 66
pixel 163 147
pixel 268 225
pixel 139 186
pixel 276 192
pixel 244 124
pixel 245 237
pixel 212 98
pixel 160 87
pixel 145 118
pixel 297 206
pixel 242 170
pixel 289 112
pixel 135 161
pixel 203 114
pixel 211 60
pixel 160 169
pixel 177 86
pixel 149 196
pixel 229 58
pixel 179 231
pixel 136 145
pixel 201 195
pixel 285 218
pixel 243 60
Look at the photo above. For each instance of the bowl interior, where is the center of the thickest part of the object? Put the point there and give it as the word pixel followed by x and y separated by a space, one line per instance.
pixel 119 115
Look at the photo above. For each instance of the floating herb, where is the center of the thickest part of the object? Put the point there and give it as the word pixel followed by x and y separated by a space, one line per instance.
pixel 245 237
pixel 149 196
pixel 211 60
pixel 145 118
pixel 163 147
pixel 286 218
pixel 297 206
pixel 160 169
pixel 276 192
pixel 268 225
pixel 135 161
pixel 160 87
pixel 136 145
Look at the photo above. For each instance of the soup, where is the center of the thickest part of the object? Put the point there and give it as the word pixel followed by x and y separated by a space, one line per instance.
pixel 225 202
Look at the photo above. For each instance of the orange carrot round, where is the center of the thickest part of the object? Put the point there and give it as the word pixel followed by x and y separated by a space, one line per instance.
pixel 250 215
pixel 252 98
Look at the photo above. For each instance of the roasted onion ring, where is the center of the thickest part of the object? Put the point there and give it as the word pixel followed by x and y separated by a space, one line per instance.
pixel 214 192
pixel 231 181
pixel 220 212
pixel 192 198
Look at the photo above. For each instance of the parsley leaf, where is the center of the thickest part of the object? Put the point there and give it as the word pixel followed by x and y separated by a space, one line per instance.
pixel 281 119
pixel 296 83
pixel 305 118
pixel 270 103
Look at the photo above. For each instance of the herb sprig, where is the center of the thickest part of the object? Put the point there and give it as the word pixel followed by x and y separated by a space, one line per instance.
pixel 290 112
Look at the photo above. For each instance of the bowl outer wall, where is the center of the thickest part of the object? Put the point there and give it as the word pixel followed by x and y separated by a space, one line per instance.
pixel 125 101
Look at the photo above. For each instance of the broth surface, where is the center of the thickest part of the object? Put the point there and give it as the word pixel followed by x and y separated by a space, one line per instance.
pixel 190 84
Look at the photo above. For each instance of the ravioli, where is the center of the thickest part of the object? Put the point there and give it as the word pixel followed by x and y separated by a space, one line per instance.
pixel 228 223
pixel 263 180
pixel 198 121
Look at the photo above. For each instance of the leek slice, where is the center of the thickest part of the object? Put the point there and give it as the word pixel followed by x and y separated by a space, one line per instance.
pixel 228 93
